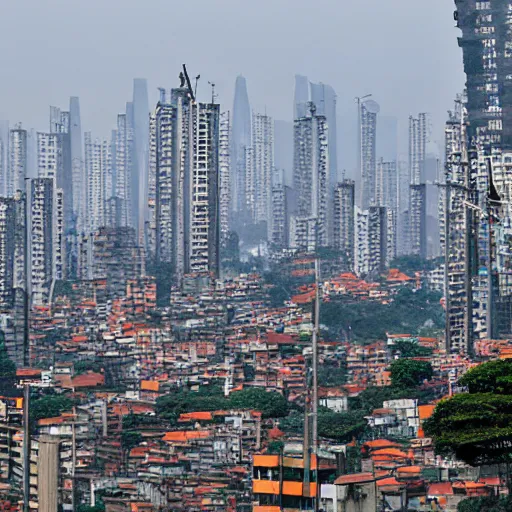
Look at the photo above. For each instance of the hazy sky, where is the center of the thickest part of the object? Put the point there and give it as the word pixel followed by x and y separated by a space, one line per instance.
pixel 403 51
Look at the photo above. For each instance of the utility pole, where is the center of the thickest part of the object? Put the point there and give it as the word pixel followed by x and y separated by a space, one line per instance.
pixel 26 448
pixel 316 332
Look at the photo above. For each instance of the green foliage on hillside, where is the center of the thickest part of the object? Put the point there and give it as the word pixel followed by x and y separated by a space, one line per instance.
pixel 477 426
pixel 271 404
pixel 408 312
pixel 49 406
pixel 409 373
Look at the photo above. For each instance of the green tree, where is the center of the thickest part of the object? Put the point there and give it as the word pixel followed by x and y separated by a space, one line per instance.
pixel 410 349
pixel 491 377
pixel 476 428
pixel 341 426
pixel 7 367
pixel 49 406
pixel 332 375
pixel 486 504
pixel 270 403
pixel 409 373
pixel 130 439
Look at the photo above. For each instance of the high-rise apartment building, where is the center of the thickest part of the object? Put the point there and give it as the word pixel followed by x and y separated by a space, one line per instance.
pixel 485 43
pixel 455 241
pixel 280 216
pixel 46 238
pixel 263 154
pixel 418 220
pixel 311 177
pixel 324 99
pixel 417 200
pixel 187 211
pixel 225 199
pixel 60 132
pixel 368 112
pixel 97 166
pixel 79 182
pixel 387 184
pixel 7 251
pixel 123 169
pixel 18 162
pixel 344 221
pixel 139 185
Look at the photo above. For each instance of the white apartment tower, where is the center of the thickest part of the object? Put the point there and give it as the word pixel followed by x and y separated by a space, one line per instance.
pixel 97 165
pixel 263 152
pixel 17 161
pixel 311 179
pixel 368 113
pixel 344 221
pixel 225 198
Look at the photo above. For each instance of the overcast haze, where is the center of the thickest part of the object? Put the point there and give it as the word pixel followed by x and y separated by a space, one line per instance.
pixel 403 51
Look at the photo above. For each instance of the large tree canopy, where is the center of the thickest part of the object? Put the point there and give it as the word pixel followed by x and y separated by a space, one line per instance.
pixel 491 377
pixel 476 428
pixel 408 373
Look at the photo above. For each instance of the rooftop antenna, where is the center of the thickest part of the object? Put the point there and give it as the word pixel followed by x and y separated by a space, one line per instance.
pixel 195 88
pixel 214 96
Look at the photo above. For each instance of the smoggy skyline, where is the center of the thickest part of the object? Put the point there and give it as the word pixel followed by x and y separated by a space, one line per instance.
pixel 403 51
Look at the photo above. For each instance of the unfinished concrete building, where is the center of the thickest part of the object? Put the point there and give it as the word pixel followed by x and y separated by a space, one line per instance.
pixel 122 159
pixel 455 240
pixel 225 199
pixel 344 220
pixel 43 242
pixel 280 216
pixel 418 220
pixel 185 136
pixel 311 176
pixel 7 251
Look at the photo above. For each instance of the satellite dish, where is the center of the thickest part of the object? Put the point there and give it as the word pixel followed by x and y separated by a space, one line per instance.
pixel 371 106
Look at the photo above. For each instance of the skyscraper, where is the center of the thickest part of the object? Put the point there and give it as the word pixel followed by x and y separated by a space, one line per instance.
pixel 418 193
pixel 97 164
pixel 225 198
pixel 485 44
pixel 311 176
pixel 368 111
pixel 387 184
pixel 344 220
pixel 324 99
pixel 263 153
pixel 45 241
pixel 186 139
pixel 454 236
pixel 140 152
pixel 18 162
pixel 79 186
pixel 241 139
pixel 123 174
pixel 7 251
